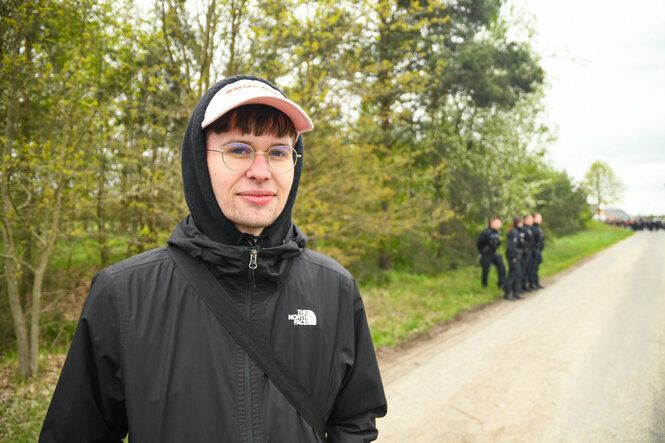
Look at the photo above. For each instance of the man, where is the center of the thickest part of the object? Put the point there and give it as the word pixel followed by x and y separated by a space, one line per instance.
pixel 526 264
pixel 150 359
pixel 514 247
pixel 488 242
pixel 538 246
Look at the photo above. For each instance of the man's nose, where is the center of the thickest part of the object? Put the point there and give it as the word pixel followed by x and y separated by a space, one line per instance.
pixel 259 168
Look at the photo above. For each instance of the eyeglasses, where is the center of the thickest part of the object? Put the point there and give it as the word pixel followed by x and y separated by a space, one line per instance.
pixel 239 157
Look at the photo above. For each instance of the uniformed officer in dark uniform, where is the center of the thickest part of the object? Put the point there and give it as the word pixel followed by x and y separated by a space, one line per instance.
pixel 527 261
pixel 488 242
pixel 514 246
pixel 538 246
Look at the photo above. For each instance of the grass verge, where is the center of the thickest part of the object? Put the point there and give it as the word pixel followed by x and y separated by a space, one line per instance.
pixel 409 304
pixel 23 404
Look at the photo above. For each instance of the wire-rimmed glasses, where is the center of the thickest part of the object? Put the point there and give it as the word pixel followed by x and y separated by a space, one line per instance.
pixel 240 156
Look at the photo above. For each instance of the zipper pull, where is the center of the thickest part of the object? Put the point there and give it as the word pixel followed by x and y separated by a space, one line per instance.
pixel 253 258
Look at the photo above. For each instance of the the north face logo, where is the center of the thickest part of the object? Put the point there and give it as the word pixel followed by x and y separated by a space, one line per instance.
pixel 304 317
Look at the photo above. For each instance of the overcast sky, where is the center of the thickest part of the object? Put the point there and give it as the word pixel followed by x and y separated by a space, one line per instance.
pixel 605 62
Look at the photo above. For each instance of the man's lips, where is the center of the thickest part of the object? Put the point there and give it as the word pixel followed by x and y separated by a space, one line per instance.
pixel 257 197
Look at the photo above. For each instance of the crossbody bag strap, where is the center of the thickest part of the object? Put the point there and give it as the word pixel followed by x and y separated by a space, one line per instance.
pixel 253 342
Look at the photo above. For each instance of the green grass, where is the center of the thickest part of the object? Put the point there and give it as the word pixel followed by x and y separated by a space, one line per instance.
pixel 23 404
pixel 407 304
pixel 564 252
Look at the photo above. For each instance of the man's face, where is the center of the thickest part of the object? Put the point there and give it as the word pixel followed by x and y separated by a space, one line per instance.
pixel 528 220
pixel 538 219
pixel 252 199
pixel 495 224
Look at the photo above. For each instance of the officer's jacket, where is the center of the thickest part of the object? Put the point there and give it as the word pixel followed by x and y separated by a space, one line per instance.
pixel 539 237
pixel 514 243
pixel 488 241
pixel 526 239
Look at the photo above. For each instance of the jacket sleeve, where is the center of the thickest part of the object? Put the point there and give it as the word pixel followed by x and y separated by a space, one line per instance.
pixel 360 399
pixel 482 242
pixel 88 402
pixel 511 250
pixel 535 233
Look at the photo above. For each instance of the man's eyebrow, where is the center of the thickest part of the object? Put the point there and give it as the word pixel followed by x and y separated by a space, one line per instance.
pixel 248 143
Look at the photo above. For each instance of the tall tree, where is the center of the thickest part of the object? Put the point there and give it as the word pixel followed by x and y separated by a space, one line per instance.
pixel 52 53
pixel 563 205
pixel 602 184
pixel 392 56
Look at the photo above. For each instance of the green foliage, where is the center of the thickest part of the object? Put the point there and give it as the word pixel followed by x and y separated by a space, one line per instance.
pixel 563 205
pixel 428 117
pixel 602 185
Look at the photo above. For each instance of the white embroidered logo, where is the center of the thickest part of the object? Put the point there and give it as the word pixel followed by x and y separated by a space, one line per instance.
pixel 304 317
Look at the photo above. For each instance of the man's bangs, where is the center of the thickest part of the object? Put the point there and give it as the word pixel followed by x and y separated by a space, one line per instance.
pixel 257 120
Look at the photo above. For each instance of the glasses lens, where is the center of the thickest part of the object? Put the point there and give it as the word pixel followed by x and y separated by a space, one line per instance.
pixel 237 156
pixel 282 158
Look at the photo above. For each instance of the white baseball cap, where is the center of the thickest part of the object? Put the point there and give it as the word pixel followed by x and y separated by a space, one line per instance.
pixel 245 92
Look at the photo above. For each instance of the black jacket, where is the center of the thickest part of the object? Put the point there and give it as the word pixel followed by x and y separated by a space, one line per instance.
pixel 514 244
pixel 527 240
pixel 539 237
pixel 488 241
pixel 149 359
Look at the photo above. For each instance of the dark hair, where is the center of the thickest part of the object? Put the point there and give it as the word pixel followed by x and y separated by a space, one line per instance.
pixel 255 119
pixel 516 220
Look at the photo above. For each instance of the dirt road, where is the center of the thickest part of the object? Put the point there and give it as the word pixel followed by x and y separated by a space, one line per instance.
pixel 582 360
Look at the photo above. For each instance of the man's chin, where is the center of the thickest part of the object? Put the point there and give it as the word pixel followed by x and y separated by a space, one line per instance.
pixel 254 226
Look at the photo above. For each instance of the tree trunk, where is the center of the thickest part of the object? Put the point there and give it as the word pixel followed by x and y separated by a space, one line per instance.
pixel 40 271
pixel 9 248
pixel 20 329
pixel 101 232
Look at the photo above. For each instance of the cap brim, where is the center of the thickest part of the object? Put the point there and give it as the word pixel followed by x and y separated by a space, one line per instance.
pixel 246 92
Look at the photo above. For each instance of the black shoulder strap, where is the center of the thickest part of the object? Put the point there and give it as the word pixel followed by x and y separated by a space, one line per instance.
pixel 254 343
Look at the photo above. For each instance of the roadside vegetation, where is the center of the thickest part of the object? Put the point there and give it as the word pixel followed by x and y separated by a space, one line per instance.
pixel 400 306
pixel 407 304
pixel 430 118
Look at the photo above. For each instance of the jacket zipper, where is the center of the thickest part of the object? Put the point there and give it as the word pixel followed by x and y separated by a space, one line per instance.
pixel 253 264
pixel 253 257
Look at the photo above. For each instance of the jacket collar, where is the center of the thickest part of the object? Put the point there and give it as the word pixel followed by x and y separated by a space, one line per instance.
pixel 229 261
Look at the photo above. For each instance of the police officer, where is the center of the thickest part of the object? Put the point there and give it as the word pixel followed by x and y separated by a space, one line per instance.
pixel 538 246
pixel 527 261
pixel 514 246
pixel 488 242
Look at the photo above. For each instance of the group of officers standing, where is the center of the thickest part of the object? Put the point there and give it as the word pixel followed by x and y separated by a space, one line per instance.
pixel 525 242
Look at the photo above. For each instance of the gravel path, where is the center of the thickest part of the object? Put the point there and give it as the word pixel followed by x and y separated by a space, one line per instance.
pixel 580 361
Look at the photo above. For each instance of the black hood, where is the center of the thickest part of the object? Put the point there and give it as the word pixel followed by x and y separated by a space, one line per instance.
pixel 199 195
